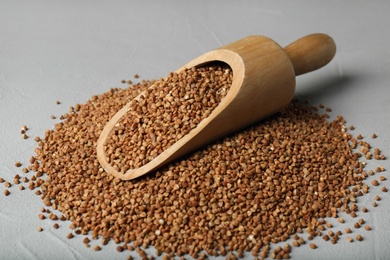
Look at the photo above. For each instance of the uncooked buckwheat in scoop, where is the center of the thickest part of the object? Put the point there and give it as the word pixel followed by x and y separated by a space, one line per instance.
pixel 164 114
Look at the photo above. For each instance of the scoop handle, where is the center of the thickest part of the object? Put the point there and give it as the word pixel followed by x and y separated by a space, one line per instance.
pixel 311 52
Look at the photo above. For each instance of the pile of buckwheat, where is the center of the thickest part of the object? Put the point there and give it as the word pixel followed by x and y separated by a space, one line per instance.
pixel 271 182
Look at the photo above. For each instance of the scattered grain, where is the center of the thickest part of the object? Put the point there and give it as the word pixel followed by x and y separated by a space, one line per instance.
pixel 40 229
pixel 374 136
pixel 69 236
pixel 350 239
pixel 6 192
pixel 356 225
pixel 313 246
pixel 384 189
pixel 329 225
pixel 295 163
pixel 56 226
pixel 32 159
pixel 18 164
pixel 53 216
pixel 359 238
pixel 375 182
pixel 379 169
pixel 105 241
pixel 97 248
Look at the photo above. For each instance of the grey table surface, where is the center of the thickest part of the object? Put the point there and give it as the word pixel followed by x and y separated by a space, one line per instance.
pixel 71 50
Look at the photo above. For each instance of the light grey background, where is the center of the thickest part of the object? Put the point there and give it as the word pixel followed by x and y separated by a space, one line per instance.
pixel 71 50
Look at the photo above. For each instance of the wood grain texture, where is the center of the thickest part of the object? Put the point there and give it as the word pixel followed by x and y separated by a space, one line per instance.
pixel 263 83
pixel 311 52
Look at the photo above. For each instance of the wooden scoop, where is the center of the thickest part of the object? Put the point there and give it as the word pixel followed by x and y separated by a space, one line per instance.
pixel 263 83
